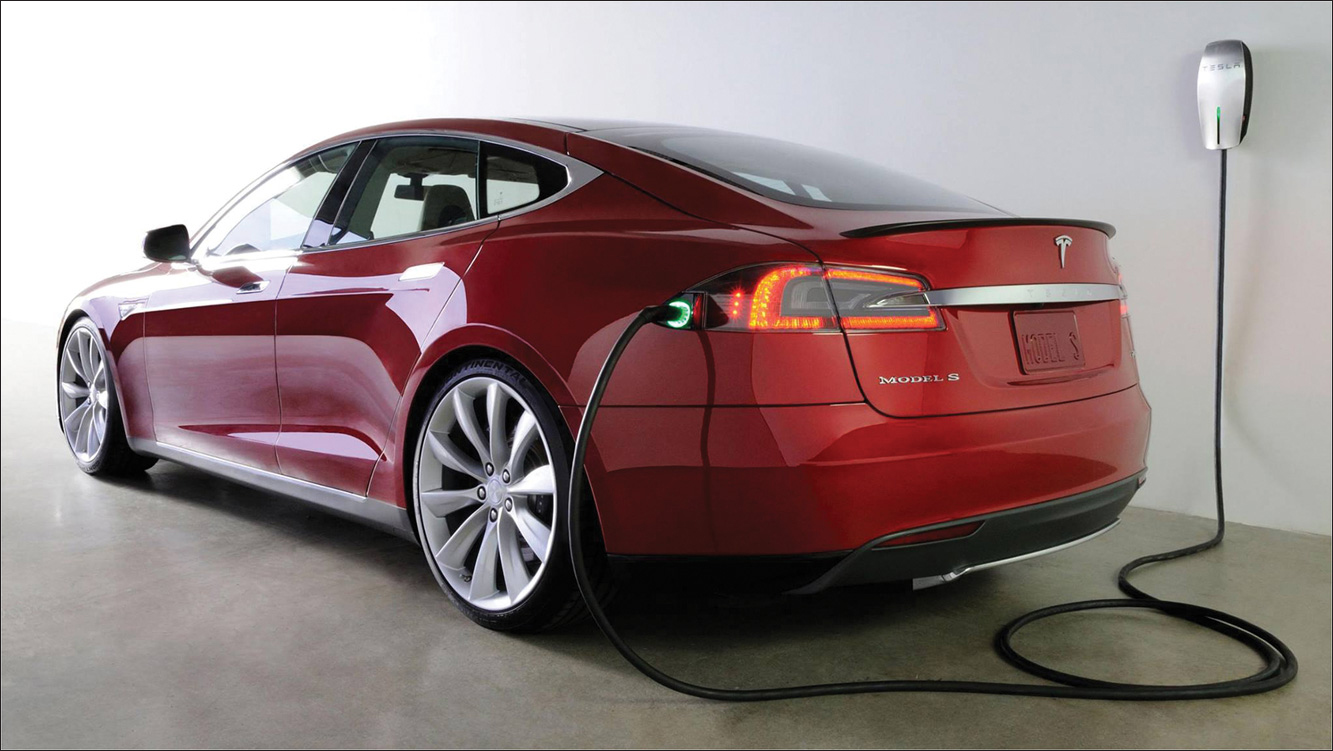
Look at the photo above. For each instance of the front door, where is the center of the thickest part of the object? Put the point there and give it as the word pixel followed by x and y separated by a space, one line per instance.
pixel 209 330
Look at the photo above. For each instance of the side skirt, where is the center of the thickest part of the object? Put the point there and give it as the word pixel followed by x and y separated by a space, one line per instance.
pixel 381 515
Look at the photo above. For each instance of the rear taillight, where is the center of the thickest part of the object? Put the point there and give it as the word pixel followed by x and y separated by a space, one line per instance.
pixel 878 301
pixel 785 298
pixel 1124 295
pixel 804 297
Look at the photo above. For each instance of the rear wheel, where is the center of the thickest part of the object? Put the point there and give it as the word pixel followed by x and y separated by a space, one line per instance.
pixel 89 410
pixel 491 481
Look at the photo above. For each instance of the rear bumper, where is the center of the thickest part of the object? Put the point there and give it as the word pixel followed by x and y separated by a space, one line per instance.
pixel 999 538
pixel 822 481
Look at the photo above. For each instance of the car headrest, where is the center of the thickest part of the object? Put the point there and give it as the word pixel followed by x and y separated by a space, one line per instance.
pixel 445 205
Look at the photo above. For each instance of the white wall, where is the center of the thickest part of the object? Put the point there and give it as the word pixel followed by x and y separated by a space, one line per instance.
pixel 119 118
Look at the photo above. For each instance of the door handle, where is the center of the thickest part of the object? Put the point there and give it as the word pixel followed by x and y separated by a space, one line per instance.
pixel 252 287
pixel 424 271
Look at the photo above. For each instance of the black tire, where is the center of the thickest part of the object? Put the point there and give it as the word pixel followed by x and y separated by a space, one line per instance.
pixel 555 601
pixel 114 458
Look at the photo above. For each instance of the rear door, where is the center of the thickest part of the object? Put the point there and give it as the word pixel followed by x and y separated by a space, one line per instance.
pixel 1026 320
pixel 358 303
pixel 209 324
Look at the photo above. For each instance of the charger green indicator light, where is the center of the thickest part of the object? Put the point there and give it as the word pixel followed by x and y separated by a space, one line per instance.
pixel 684 309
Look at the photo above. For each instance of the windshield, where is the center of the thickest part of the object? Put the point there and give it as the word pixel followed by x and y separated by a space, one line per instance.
pixel 792 173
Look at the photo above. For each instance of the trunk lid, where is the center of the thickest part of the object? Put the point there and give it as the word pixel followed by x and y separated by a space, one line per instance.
pixel 1021 352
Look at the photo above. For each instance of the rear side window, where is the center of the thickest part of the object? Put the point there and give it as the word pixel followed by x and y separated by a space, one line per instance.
pixel 516 178
pixel 792 173
pixel 408 186
pixel 276 213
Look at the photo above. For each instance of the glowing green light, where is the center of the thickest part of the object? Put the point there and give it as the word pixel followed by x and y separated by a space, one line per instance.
pixel 684 313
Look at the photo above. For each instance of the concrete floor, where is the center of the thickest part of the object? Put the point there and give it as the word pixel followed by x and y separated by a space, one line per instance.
pixel 180 610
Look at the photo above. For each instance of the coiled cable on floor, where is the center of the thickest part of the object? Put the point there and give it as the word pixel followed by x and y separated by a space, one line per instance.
pixel 1279 663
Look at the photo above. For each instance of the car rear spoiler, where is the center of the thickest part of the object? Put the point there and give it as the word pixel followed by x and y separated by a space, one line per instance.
pixel 902 228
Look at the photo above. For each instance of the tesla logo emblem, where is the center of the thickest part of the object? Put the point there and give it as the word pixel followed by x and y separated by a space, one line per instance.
pixel 1063 242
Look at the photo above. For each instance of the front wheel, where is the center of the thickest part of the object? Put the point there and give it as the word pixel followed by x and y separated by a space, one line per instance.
pixel 89 410
pixel 491 494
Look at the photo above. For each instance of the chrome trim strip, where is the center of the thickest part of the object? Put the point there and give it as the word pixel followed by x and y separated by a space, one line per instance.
pixel 580 174
pixel 399 238
pixel 1024 557
pixel 378 514
pixel 1008 294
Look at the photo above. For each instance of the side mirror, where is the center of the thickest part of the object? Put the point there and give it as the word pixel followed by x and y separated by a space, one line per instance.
pixel 167 244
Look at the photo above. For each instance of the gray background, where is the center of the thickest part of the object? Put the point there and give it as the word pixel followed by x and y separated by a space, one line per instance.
pixel 120 118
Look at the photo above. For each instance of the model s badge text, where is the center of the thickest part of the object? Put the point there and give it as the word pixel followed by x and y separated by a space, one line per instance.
pixel 892 380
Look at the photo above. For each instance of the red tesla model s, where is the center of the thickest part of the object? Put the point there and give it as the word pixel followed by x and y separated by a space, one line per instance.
pixel 869 378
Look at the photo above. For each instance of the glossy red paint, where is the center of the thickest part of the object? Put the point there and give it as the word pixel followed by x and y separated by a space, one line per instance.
pixel 349 333
pixel 604 249
pixel 209 358
pixel 123 337
pixel 714 442
pixel 783 480
pixel 978 343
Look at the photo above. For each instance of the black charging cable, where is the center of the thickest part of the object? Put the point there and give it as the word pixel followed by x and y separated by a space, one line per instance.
pixel 1279 662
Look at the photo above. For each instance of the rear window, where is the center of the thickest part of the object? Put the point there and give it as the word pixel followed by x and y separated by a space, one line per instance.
pixel 792 173
pixel 516 178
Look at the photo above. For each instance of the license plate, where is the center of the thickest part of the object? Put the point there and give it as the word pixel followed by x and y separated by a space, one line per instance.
pixel 1048 340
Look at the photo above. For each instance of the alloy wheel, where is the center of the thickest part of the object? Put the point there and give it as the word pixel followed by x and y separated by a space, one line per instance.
pixel 486 493
pixel 84 396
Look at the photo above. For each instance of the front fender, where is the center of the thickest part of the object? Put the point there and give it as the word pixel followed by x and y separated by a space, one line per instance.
pixel 115 307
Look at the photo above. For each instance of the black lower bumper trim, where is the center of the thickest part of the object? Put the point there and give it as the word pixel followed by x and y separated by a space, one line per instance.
pixel 1012 533
pixel 1002 535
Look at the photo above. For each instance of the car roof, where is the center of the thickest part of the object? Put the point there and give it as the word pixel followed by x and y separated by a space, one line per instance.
pixel 545 135
pixel 548 133
pixel 590 124
pixel 687 189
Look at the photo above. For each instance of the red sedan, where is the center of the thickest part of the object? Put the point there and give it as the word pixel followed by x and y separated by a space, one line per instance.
pixel 871 378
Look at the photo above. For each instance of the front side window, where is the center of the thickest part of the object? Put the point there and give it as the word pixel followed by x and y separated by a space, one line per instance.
pixel 516 178
pixel 276 214
pixel 410 185
pixel 792 173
